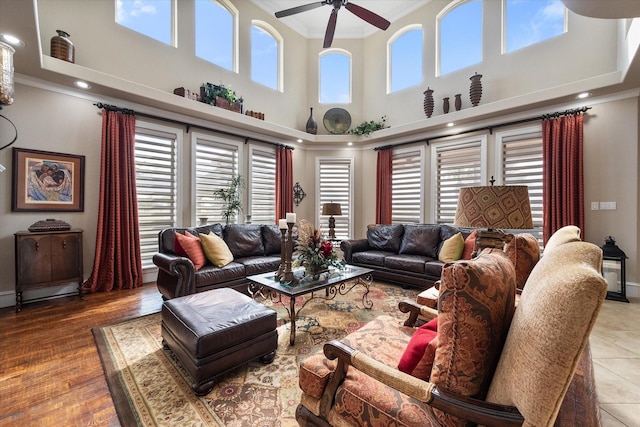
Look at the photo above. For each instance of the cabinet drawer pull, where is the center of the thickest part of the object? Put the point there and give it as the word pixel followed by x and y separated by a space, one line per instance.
pixel 37 245
pixel 64 244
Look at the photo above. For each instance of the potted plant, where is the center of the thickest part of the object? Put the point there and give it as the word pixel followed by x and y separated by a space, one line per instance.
pixel 221 96
pixel 365 128
pixel 230 196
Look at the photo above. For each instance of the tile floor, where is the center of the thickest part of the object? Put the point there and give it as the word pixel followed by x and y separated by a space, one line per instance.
pixel 615 347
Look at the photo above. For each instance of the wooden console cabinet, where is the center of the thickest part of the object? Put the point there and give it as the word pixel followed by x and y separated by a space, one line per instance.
pixel 47 259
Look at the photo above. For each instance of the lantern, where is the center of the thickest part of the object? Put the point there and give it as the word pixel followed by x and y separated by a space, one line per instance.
pixel 614 270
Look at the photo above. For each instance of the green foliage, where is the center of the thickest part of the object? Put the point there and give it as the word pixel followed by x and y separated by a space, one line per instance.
pixel 232 203
pixel 211 91
pixel 365 128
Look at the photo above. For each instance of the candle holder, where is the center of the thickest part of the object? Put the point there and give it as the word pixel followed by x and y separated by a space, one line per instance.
pixel 284 273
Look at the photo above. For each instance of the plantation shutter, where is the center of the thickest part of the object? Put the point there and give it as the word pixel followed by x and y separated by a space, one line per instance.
pixel 216 163
pixel 263 185
pixel 406 186
pixel 155 161
pixel 456 166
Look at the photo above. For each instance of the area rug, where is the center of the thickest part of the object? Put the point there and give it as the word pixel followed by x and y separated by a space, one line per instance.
pixel 150 387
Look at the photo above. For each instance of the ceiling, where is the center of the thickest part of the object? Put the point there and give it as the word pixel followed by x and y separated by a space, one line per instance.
pixel 313 23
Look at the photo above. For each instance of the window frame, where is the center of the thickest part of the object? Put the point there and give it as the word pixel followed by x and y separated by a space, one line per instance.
pixel 252 149
pixel 335 51
pixel 438 45
pixel 173 36
pixel 233 11
pixel 322 221
pixel 261 25
pixel 394 38
pixel 421 165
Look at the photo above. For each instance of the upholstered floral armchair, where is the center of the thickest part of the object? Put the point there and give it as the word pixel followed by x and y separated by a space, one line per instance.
pixel 479 360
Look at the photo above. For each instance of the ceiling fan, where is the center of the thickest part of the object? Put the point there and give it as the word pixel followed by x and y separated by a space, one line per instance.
pixel 359 11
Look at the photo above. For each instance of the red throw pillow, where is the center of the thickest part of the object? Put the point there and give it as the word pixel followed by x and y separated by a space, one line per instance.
pixel 469 243
pixel 177 247
pixel 191 245
pixel 413 354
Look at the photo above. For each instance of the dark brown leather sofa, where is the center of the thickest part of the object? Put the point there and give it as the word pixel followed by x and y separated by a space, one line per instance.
pixel 403 253
pixel 255 249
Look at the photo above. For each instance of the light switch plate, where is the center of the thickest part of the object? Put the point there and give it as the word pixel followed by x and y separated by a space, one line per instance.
pixel 607 206
pixel 595 206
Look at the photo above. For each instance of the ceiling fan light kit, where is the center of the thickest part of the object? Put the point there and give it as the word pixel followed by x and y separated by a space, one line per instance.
pixel 365 14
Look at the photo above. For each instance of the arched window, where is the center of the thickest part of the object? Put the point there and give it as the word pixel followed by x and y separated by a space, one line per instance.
pixel 152 18
pixel 530 22
pixel 405 59
pixel 266 55
pixel 216 33
pixel 335 77
pixel 459 36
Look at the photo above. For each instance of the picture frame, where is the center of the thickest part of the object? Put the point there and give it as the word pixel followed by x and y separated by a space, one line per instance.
pixel 46 181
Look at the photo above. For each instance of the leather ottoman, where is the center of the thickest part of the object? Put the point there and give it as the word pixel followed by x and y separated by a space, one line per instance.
pixel 215 331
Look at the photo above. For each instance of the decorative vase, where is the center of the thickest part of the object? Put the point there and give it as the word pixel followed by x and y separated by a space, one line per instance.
pixel 315 270
pixel 248 220
pixel 445 105
pixel 312 125
pixel 475 91
pixel 62 48
pixel 428 102
pixel 203 220
pixel 458 102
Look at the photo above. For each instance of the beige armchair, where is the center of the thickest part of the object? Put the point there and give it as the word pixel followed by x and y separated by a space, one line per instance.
pixel 357 382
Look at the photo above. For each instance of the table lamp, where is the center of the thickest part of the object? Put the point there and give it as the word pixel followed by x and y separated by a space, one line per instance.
pixel 332 209
pixel 494 208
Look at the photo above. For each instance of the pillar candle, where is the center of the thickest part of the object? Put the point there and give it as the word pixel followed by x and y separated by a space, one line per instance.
pixel 291 217
pixel 282 224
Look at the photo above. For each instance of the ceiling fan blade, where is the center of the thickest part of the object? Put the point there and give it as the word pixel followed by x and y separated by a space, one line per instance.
pixel 331 29
pixel 367 15
pixel 299 9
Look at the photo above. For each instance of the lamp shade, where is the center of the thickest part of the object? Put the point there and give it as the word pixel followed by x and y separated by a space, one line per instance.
pixel 331 209
pixel 494 207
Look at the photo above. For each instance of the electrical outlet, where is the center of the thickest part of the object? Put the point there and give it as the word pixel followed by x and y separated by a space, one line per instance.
pixel 595 206
pixel 607 206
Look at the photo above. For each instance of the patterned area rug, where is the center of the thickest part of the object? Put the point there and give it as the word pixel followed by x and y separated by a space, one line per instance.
pixel 150 388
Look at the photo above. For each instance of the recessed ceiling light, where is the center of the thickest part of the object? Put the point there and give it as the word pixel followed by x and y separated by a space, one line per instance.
pixel 349 143
pixel 12 40
pixel 450 124
pixel 299 140
pixel 82 85
pixel 584 95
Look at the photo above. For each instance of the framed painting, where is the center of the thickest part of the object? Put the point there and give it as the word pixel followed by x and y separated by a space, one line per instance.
pixel 45 181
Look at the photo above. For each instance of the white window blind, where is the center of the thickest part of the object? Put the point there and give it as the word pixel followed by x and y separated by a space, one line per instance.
pixel 155 159
pixel 521 164
pixel 263 185
pixel 406 186
pixel 216 163
pixel 335 177
pixel 456 165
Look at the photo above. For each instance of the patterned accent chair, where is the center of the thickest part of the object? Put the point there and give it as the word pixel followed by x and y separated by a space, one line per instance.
pixel 486 362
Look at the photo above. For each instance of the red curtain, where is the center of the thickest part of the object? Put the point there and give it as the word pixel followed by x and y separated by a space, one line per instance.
pixel 383 186
pixel 563 176
pixel 117 263
pixel 284 182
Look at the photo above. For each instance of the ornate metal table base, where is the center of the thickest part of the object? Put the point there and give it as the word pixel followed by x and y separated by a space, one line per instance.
pixel 331 292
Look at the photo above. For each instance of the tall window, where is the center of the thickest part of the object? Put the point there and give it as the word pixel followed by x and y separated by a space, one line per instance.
pixel 405 59
pixel 530 22
pixel 216 43
pixel 156 160
pixel 153 18
pixel 335 176
pixel 520 163
pixel 266 56
pixel 406 185
pixel 262 185
pixel 216 163
pixel 335 77
pixel 454 165
pixel 460 36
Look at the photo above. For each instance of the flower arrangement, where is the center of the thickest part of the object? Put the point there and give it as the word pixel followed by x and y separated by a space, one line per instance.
pixel 365 128
pixel 314 252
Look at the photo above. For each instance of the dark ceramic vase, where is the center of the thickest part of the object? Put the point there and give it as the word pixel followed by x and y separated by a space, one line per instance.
pixel 445 105
pixel 62 48
pixel 475 91
pixel 428 102
pixel 312 125
pixel 458 102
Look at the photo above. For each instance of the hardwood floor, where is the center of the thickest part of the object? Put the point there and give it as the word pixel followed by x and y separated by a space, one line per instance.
pixel 50 371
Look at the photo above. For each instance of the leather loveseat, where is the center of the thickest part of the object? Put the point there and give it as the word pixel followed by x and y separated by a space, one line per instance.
pixel 255 249
pixel 402 253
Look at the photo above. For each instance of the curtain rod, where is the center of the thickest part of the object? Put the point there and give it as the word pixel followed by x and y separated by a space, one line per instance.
pixel 186 125
pixel 490 128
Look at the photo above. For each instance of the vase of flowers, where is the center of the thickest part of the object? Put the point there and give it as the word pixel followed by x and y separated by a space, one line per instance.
pixel 314 252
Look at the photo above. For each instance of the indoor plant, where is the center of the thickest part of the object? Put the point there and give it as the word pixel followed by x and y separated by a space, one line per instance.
pixel 314 253
pixel 230 196
pixel 365 128
pixel 221 96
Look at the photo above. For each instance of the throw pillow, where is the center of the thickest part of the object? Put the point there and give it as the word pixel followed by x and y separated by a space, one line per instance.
pixel 416 352
pixel 469 244
pixel 452 248
pixel 421 239
pixel 475 307
pixel 177 248
pixel 244 240
pixel 524 252
pixel 385 237
pixel 566 234
pixel 192 247
pixel 215 249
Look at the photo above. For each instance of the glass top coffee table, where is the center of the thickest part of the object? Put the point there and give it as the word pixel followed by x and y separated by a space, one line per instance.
pixel 334 282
